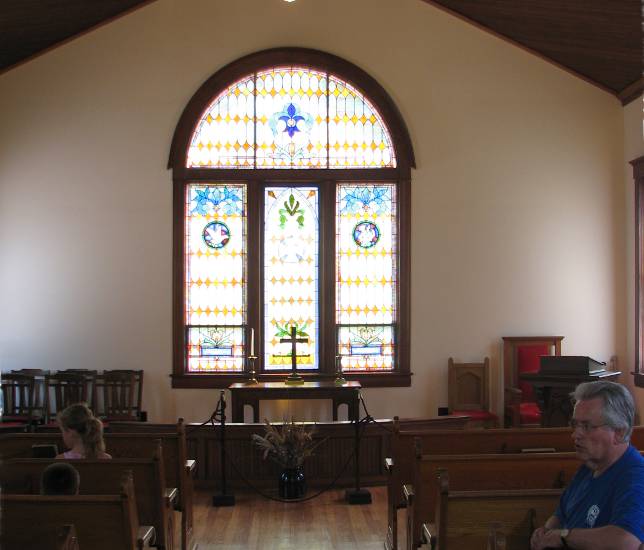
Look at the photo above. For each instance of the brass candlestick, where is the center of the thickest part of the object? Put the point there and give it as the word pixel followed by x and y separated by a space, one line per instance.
pixel 340 380
pixel 253 379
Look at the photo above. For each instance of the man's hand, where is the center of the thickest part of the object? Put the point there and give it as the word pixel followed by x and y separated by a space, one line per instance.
pixel 545 538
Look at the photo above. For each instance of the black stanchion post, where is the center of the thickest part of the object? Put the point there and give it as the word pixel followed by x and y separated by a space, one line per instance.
pixel 225 498
pixel 357 495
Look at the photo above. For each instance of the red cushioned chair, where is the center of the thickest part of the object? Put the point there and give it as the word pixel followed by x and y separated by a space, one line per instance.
pixel 522 355
pixel 468 392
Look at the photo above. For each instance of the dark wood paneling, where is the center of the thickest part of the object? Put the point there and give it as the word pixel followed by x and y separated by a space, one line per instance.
pixel 31 27
pixel 244 460
pixel 598 40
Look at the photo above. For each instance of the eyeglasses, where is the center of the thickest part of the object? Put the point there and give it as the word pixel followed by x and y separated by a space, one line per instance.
pixel 584 426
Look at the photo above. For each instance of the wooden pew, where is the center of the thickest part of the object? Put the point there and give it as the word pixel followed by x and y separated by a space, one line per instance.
pixel 177 468
pixel 481 472
pixel 102 522
pixel 42 537
pixel 462 519
pixel 496 539
pixel 399 464
pixel 101 477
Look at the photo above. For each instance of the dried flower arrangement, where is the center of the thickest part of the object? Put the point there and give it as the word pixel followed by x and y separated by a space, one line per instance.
pixel 287 444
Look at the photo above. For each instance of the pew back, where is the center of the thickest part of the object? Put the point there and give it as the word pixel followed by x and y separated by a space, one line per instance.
pixel 41 537
pixel 462 519
pixel 178 471
pixel 102 522
pixel 482 472
pixel 496 441
pixel 119 445
pixel 103 477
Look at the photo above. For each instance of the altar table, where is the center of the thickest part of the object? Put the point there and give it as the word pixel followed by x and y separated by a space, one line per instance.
pixel 251 394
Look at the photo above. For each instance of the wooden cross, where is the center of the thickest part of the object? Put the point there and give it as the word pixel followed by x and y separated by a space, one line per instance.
pixel 294 340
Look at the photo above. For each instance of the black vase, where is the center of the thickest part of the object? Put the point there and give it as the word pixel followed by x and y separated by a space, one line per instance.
pixel 292 483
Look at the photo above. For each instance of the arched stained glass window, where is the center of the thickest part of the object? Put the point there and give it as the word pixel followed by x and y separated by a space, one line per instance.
pixel 291 117
pixel 291 176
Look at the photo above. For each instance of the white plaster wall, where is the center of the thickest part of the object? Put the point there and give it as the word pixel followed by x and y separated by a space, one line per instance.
pixel 633 148
pixel 518 202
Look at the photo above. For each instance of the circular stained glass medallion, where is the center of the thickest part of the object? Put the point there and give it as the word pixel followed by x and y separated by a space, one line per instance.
pixel 366 234
pixel 216 234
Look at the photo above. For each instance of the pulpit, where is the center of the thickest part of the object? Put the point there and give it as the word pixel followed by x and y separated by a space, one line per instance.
pixel 557 378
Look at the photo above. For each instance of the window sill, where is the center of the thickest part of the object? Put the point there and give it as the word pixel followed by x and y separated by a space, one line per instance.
pixel 375 380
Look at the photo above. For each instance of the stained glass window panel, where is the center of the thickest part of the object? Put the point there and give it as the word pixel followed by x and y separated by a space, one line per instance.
pixel 366 275
pixel 358 137
pixel 291 243
pixel 291 118
pixel 215 276
pixel 224 137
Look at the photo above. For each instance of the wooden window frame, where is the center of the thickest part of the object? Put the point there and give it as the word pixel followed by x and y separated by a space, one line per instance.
pixel 638 179
pixel 326 180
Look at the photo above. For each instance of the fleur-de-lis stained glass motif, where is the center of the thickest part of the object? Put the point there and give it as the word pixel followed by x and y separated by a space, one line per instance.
pixel 215 276
pixel 366 276
pixel 291 117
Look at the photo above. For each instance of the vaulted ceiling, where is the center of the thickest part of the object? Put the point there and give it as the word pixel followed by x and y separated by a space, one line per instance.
pixel 598 40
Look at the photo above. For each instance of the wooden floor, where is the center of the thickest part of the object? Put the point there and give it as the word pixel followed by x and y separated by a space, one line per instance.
pixel 323 523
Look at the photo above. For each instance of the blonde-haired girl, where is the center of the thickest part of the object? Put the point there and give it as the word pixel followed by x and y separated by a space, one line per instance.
pixel 82 433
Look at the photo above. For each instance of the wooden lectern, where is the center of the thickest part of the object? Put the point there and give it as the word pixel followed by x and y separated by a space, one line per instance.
pixel 557 378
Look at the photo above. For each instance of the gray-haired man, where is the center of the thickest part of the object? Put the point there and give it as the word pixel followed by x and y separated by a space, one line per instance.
pixel 603 507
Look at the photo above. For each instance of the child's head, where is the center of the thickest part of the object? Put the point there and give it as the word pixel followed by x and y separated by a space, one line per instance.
pixel 59 478
pixel 78 424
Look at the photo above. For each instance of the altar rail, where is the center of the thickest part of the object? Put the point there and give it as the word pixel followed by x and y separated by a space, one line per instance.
pixel 320 469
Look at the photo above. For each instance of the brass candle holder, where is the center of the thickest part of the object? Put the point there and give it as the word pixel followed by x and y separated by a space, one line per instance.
pixel 253 378
pixel 340 380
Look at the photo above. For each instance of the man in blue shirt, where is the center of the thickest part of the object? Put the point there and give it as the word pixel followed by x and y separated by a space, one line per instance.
pixel 603 507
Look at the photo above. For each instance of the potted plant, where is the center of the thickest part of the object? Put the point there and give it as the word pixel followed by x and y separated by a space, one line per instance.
pixel 288 445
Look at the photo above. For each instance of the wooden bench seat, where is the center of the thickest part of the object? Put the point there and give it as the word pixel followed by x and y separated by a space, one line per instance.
pixel 102 522
pixel 101 477
pixel 463 519
pixel 481 472
pixel 41 537
pixel 178 470
pixel 129 439
pixel 399 464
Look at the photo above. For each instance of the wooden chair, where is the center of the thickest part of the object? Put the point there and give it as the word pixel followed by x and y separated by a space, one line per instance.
pixel 469 392
pixel 138 390
pixel 39 391
pixel 116 395
pixel 521 355
pixel 63 389
pixel 18 392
